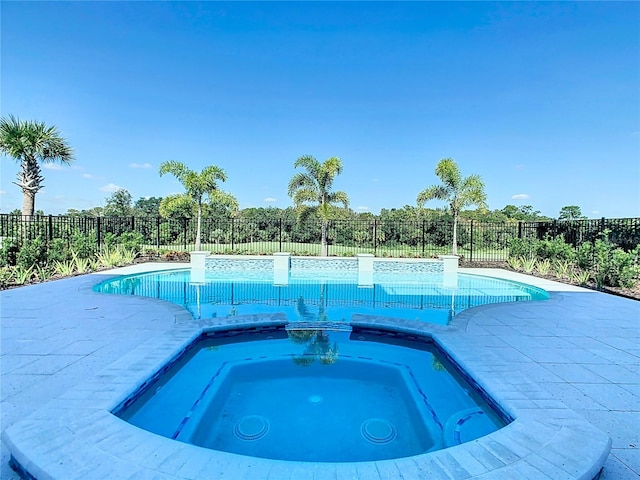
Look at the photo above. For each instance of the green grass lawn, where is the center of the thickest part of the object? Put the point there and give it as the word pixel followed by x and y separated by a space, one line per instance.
pixel 313 249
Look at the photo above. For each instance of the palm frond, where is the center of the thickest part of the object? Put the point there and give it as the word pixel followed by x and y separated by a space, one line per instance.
pixel 213 173
pixel 338 197
pixel 447 170
pixel 309 163
pixel 224 199
pixel 434 192
pixel 178 206
pixel 305 195
pixel 305 211
pixel 301 181
pixel 175 168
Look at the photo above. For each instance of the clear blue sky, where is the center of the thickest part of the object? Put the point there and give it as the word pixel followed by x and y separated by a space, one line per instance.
pixel 541 99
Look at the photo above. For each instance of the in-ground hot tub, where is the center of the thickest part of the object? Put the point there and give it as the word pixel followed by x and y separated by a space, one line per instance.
pixel 314 393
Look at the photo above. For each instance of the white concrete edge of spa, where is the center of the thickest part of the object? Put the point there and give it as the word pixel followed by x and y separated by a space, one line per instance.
pixel 76 437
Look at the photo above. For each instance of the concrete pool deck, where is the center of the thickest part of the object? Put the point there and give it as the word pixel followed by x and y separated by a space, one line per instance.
pixel 61 343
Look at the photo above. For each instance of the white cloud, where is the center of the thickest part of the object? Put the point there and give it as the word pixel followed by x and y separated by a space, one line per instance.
pixel 140 165
pixel 362 209
pixel 2 192
pixel 520 196
pixel 52 166
pixel 595 212
pixel 270 200
pixel 110 188
pixel 87 175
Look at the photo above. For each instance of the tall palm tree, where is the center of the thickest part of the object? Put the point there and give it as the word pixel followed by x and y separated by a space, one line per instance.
pixel 31 143
pixel 197 186
pixel 314 187
pixel 458 192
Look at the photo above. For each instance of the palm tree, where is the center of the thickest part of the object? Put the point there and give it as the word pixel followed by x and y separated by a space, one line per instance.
pixel 457 191
pixel 31 143
pixel 197 186
pixel 314 186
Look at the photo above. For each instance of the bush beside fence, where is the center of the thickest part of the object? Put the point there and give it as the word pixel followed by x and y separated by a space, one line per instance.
pixel 478 241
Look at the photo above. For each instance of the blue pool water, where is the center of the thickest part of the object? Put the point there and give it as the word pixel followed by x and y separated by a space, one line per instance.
pixel 313 395
pixel 311 295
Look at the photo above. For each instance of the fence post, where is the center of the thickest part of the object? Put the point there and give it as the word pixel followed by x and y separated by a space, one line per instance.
pixel 280 234
pixel 471 243
pixel 519 229
pixel 186 222
pixel 423 236
pixel 233 233
pixel 50 227
pixel 133 223
pixel 98 236
pixel 158 232
pixel 375 236
pixel 602 225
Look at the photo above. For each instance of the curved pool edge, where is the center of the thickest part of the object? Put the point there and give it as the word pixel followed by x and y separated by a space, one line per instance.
pixel 76 436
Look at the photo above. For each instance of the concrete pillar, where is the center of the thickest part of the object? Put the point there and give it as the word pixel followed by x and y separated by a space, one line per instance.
pixel 198 266
pixel 365 269
pixel 281 266
pixel 450 263
pixel 198 259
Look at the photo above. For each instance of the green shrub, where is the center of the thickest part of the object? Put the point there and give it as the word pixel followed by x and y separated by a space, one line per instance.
pixel 22 275
pixel 523 247
pixel 612 266
pixel 624 270
pixel 58 251
pixel 132 241
pixel 584 256
pixel 581 277
pixel 9 252
pixel 543 267
pixel 555 248
pixel 515 263
pixel 64 268
pixel 528 263
pixel 32 253
pixel 562 268
pixel 109 240
pixel 6 276
pixel 84 246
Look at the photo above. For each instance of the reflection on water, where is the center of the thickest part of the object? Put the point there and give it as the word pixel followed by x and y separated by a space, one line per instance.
pixel 426 297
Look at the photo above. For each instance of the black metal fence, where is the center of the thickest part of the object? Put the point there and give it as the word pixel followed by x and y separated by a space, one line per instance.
pixel 477 241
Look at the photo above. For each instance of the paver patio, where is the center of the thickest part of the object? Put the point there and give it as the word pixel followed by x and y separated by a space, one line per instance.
pixel 581 347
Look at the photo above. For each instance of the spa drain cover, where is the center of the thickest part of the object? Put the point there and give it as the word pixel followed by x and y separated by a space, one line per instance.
pixel 251 427
pixel 378 431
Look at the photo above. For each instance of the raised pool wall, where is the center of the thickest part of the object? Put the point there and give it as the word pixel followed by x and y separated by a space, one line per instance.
pixel 282 263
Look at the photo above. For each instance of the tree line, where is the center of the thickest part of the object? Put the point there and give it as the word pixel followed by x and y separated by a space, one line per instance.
pixel 32 143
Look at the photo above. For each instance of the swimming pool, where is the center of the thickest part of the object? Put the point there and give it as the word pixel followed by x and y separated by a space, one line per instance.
pixel 313 395
pixel 323 294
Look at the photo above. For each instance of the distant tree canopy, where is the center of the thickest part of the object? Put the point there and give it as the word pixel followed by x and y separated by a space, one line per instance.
pixel 147 207
pixel 571 212
pixel 524 213
pixel 119 204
